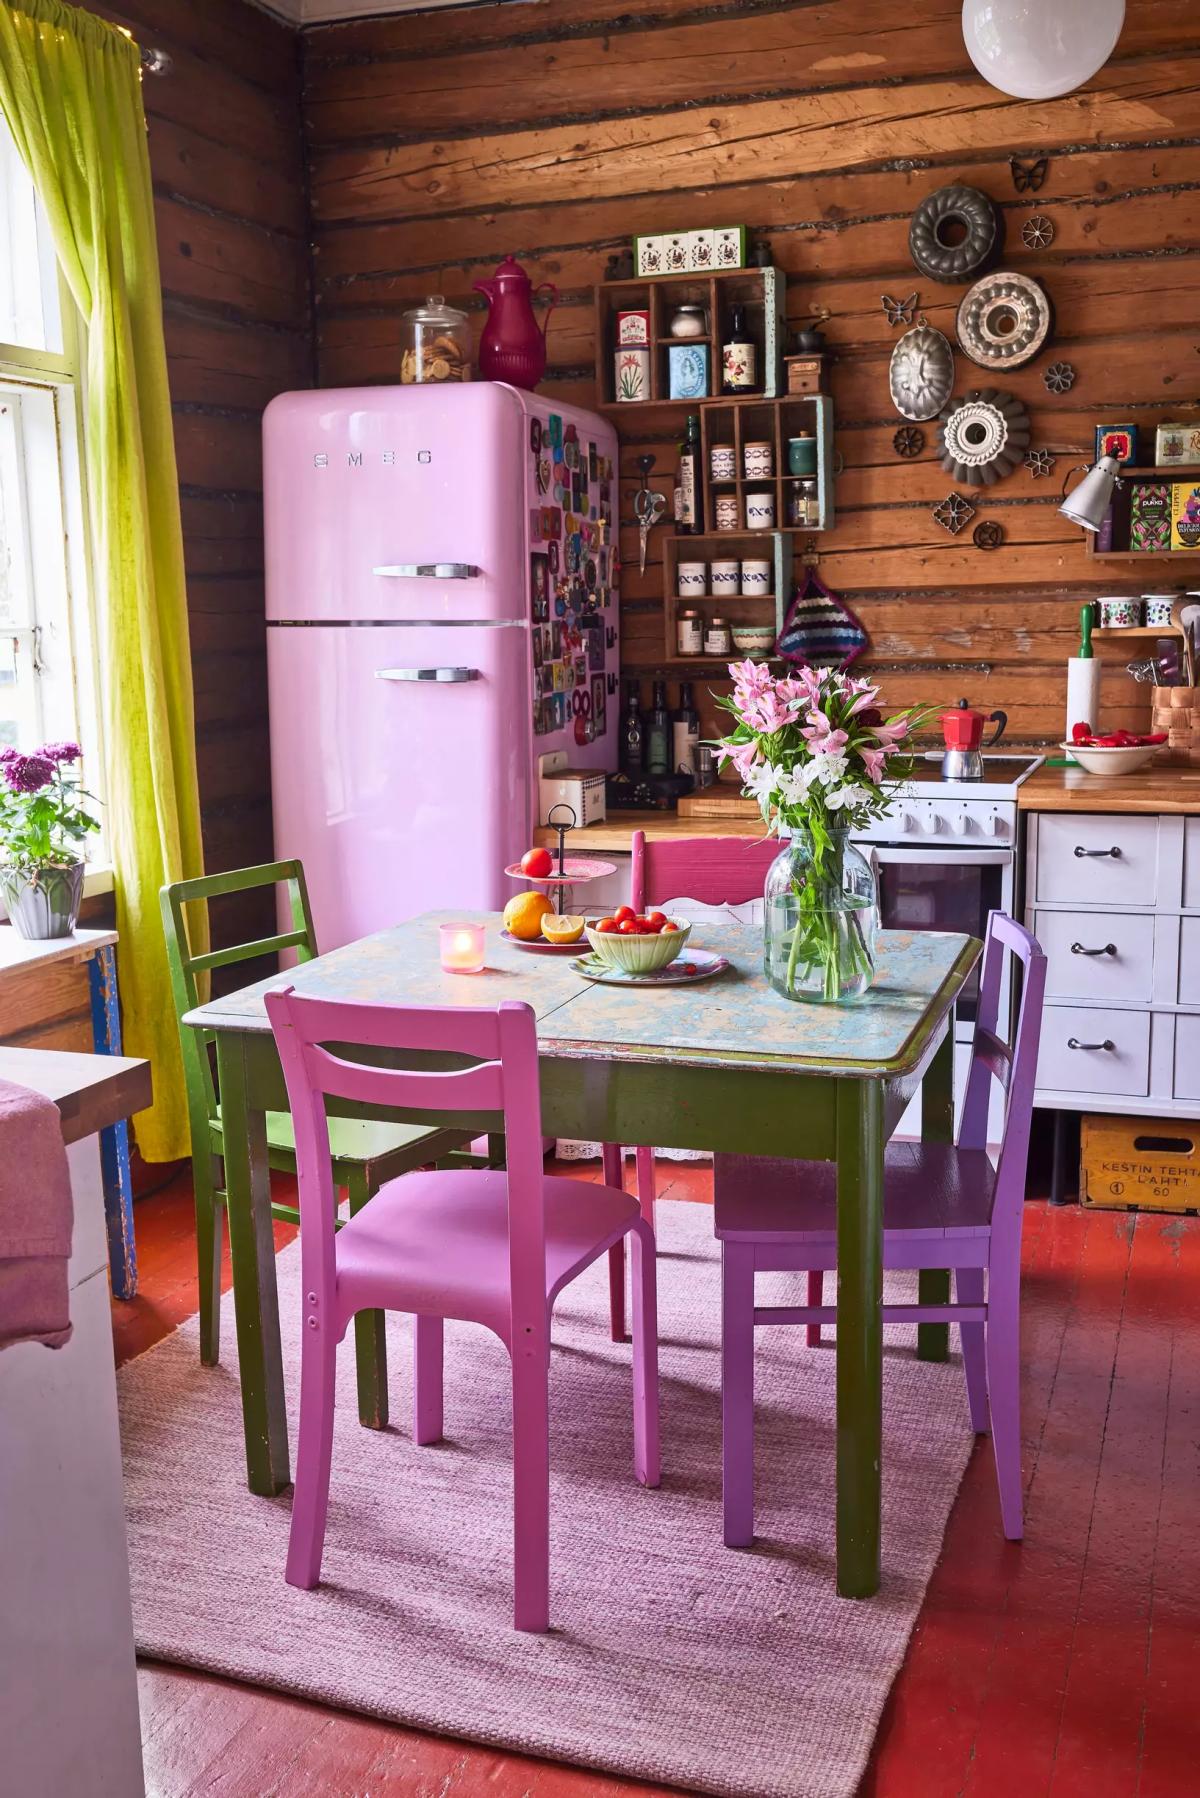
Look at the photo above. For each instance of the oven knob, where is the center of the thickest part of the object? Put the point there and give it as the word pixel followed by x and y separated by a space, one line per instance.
pixel 960 824
pixel 995 826
pixel 931 824
pixel 907 823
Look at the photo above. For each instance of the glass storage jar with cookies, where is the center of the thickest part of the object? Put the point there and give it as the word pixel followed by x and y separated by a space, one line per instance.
pixel 436 343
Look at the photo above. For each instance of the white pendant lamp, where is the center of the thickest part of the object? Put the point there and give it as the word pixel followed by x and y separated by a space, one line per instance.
pixel 1036 49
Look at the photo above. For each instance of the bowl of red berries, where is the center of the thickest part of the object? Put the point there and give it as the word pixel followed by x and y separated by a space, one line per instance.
pixel 1112 752
pixel 638 942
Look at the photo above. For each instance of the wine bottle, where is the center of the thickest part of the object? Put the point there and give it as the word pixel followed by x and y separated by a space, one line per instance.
pixel 658 733
pixel 739 356
pixel 633 738
pixel 689 521
pixel 685 733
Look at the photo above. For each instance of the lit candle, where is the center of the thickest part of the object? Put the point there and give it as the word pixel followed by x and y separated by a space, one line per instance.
pixel 461 948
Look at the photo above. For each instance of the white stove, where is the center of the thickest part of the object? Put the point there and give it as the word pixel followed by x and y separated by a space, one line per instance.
pixel 956 811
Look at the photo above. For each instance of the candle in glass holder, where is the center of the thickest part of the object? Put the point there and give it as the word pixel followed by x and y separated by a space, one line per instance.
pixel 461 948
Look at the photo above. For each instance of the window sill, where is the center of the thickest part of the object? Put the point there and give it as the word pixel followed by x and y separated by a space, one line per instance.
pixel 98 879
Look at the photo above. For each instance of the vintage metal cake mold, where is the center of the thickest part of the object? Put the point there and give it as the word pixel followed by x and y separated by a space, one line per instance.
pixel 954 234
pixel 1004 320
pixel 921 376
pixel 983 437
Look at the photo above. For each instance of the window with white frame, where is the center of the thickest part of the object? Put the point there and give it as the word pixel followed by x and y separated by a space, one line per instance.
pixel 48 685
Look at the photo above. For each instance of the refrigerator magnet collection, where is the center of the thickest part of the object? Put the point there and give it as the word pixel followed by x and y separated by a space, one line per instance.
pixel 573 574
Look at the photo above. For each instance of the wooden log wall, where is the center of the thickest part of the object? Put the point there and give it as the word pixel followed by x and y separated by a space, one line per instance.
pixel 439 142
pixel 228 170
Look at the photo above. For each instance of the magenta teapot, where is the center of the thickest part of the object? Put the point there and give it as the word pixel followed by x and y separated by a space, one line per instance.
pixel 513 346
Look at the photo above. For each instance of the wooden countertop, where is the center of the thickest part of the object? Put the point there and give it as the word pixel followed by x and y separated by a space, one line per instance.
pixel 1151 789
pixel 91 1091
pixel 616 833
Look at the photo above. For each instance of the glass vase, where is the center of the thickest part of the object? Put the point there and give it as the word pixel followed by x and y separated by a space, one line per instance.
pixel 820 915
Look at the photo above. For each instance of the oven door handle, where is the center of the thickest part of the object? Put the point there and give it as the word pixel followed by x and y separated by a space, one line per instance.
pixel 941 858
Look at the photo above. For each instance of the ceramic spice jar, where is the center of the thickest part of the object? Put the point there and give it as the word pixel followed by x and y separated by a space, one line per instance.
pixel 725 509
pixel 724 578
pixel 722 462
pixel 758 460
pixel 760 511
pixel 688 321
pixel 1157 608
pixel 691 580
pixel 756 578
pixel 1118 612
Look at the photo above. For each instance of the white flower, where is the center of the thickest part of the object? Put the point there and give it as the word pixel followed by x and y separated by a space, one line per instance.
pixel 761 781
pixel 849 794
pixel 829 769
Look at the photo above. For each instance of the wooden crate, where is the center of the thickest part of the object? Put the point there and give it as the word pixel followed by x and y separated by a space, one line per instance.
pixel 1139 1164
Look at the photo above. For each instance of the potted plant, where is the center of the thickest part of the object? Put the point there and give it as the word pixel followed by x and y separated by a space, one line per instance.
pixel 821 760
pixel 43 826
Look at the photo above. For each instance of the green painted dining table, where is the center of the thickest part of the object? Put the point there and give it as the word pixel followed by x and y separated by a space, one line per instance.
pixel 724 1064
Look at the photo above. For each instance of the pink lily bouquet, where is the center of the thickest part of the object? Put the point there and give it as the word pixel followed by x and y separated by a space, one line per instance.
pixel 816 752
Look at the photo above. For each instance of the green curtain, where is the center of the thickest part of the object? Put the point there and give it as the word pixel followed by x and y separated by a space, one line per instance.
pixel 70 90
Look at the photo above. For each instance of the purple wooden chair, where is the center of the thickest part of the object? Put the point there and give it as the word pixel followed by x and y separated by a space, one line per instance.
pixel 490 1247
pixel 943 1206
pixel 713 871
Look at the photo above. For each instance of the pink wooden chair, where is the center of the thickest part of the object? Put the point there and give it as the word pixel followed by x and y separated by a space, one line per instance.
pixel 713 871
pixel 492 1247
pixel 944 1206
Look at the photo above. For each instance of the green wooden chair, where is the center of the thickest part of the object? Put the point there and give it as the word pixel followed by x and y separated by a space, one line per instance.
pixel 364 1154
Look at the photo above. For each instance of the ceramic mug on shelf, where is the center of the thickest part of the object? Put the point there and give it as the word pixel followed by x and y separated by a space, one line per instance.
pixel 1157 607
pixel 722 462
pixel 758 460
pixel 760 511
pixel 692 580
pixel 756 578
pixel 1119 613
pixel 802 454
pixel 725 508
pixel 723 578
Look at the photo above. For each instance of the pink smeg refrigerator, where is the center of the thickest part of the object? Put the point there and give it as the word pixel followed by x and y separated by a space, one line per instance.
pixel 442 608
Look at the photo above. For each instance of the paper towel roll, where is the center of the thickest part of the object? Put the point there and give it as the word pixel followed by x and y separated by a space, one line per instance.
pixel 1083 693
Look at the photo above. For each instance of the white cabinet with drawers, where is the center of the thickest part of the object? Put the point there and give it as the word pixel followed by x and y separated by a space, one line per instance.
pixel 1114 899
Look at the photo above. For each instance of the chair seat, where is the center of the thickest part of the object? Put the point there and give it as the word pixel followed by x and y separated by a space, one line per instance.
pixel 930 1190
pixel 437 1243
pixel 361 1141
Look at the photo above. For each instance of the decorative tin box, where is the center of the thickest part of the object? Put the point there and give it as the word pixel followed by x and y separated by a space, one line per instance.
pixel 648 255
pixel 1177 446
pixel 633 327
pixel 1185 515
pixel 1118 441
pixel 632 366
pixel 1150 516
pixel 701 250
pixel 729 246
pixel 676 253
pixel 687 369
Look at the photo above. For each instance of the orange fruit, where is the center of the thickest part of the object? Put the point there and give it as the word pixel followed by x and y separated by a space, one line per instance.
pixel 564 929
pixel 523 916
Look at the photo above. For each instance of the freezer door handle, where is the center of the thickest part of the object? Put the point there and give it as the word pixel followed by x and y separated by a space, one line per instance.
pixel 431 571
pixel 448 676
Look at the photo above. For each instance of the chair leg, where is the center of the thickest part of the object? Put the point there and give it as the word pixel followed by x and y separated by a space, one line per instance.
pixel 310 1495
pixel 370 1334
pixel 737 1393
pixel 427 1380
pixel 645 1183
pixel 815 1296
pixel 531 1489
pixel 210 1232
pixel 614 1175
pixel 646 1455
pixel 968 1290
pixel 1003 1356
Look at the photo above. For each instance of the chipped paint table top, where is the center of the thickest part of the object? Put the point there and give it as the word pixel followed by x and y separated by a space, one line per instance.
pixel 735 1020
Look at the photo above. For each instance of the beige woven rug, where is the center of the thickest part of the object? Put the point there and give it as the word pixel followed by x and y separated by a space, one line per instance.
pixel 672 1658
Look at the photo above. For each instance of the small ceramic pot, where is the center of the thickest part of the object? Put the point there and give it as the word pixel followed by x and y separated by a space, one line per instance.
pixel 1119 613
pixel 692 580
pixel 725 508
pixel 756 578
pixel 688 321
pixel 760 511
pixel 1157 607
pixel 43 902
pixel 758 460
pixel 723 578
pixel 722 462
pixel 802 455
pixel 754 639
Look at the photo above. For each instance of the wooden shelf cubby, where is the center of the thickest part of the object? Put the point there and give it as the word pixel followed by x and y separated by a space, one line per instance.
pixel 759 290
pixel 735 423
pixel 739 608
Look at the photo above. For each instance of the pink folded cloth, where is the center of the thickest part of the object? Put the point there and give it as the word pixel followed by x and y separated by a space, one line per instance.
pixel 36 1218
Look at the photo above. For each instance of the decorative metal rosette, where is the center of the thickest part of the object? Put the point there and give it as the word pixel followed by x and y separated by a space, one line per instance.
pixel 982 438
pixel 1037 233
pixel 1039 462
pixel 909 441
pixel 1059 377
pixel 988 534
pixel 1004 321
pixel 921 375
pixel 953 513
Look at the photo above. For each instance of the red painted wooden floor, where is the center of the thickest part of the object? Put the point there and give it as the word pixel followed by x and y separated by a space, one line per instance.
pixel 1069 1665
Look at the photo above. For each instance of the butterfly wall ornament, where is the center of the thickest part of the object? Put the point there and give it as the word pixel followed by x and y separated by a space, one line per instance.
pixel 1028 177
pixel 900 312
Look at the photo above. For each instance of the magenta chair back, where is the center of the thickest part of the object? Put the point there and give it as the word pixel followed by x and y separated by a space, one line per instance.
pixel 711 870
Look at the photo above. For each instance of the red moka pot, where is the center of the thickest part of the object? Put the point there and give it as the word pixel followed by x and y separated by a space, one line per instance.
pixel 962 733
pixel 513 346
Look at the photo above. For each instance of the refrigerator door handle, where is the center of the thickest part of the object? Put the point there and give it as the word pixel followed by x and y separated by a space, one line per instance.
pixel 433 571
pixel 448 676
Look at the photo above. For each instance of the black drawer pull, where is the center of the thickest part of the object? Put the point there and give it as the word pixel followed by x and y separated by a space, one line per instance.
pixel 1108 949
pixel 1114 851
pixel 1073 1042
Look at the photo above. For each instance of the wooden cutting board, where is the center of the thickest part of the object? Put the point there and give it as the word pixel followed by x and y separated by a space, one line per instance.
pixel 711 802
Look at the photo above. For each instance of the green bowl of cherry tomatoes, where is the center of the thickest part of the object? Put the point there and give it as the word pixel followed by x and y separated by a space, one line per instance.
pixel 639 943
